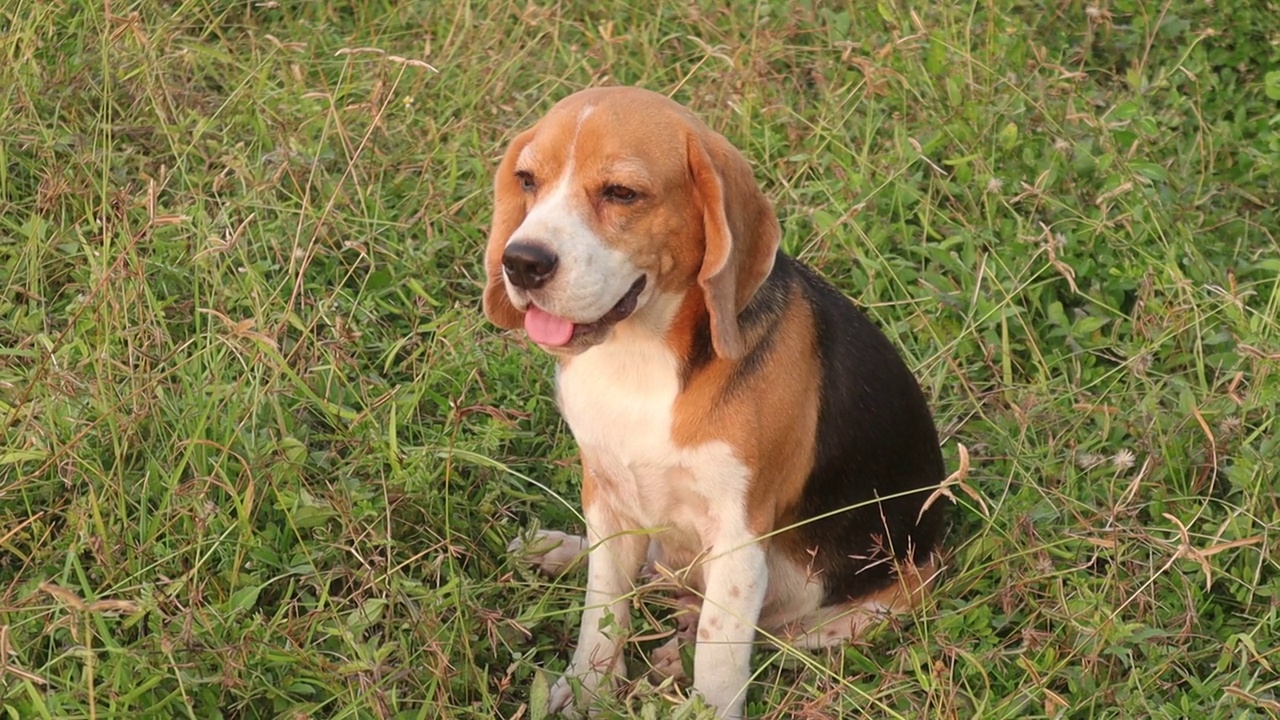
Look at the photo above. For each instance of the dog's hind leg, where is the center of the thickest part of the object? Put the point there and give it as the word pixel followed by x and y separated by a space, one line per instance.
pixel 665 661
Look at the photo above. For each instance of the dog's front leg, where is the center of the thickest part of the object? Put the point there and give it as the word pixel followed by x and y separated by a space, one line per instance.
pixel 613 563
pixel 736 578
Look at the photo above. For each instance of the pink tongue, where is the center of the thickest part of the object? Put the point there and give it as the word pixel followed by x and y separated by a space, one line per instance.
pixel 547 329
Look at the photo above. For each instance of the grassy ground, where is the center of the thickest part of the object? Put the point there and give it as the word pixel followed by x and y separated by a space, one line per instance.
pixel 261 453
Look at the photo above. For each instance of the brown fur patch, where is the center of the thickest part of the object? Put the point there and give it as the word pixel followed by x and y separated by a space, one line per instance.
pixel 590 484
pixel 770 417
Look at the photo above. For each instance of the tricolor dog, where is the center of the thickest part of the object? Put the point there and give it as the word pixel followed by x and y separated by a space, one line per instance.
pixel 740 421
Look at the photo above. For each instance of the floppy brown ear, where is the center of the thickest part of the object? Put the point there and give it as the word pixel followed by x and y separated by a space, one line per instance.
pixel 741 233
pixel 508 213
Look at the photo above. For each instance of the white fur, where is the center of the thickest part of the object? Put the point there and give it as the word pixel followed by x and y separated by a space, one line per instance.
pixel 691 501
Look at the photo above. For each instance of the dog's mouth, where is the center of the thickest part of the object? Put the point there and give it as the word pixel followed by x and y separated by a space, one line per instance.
pixel 554 331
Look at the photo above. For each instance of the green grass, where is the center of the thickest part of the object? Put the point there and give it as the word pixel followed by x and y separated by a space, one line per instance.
pixel 261 452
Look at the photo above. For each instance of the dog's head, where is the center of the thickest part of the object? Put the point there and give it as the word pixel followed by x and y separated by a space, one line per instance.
pixel 617 200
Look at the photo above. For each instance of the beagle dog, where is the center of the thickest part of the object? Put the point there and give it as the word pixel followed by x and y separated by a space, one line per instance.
pixel 740 422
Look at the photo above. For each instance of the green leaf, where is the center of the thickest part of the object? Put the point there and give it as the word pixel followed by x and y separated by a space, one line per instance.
pixel 1126 110
pixel 18 456
pixel 1150 170
pixel 1088 325
pixel 1271 84
pixel 1008 136
pixel 245 598
pixel 368 613
pixel 539 696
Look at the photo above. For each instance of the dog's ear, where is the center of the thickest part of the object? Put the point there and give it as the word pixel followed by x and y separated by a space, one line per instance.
pixel 508 213
pixel 741 234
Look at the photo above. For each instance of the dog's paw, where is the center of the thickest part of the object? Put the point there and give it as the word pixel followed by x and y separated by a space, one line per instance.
pixel 563 700
pixel 579 689
pixel 551 551
pixel 560 699
pixel 689 609
pixel 665 661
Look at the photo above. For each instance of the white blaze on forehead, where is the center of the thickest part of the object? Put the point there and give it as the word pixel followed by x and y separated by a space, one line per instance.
pixel 530 156
pixel 526 157
pixel 573 144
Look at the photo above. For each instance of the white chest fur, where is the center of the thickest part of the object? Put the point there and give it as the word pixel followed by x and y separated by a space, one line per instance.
pixel 618 399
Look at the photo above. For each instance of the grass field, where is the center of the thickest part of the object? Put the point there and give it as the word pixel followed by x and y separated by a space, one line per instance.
pixel 262 453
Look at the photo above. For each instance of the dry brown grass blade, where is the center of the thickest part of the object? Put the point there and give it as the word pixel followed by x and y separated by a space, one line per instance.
pixel 6 668
pixel 1186 550
pixel 956 479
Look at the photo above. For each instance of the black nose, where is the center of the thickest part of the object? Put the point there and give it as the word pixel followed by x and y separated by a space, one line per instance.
pixel 529 266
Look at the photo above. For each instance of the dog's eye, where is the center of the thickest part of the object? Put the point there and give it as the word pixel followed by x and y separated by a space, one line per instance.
pixel 525 178
pixel 620 193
